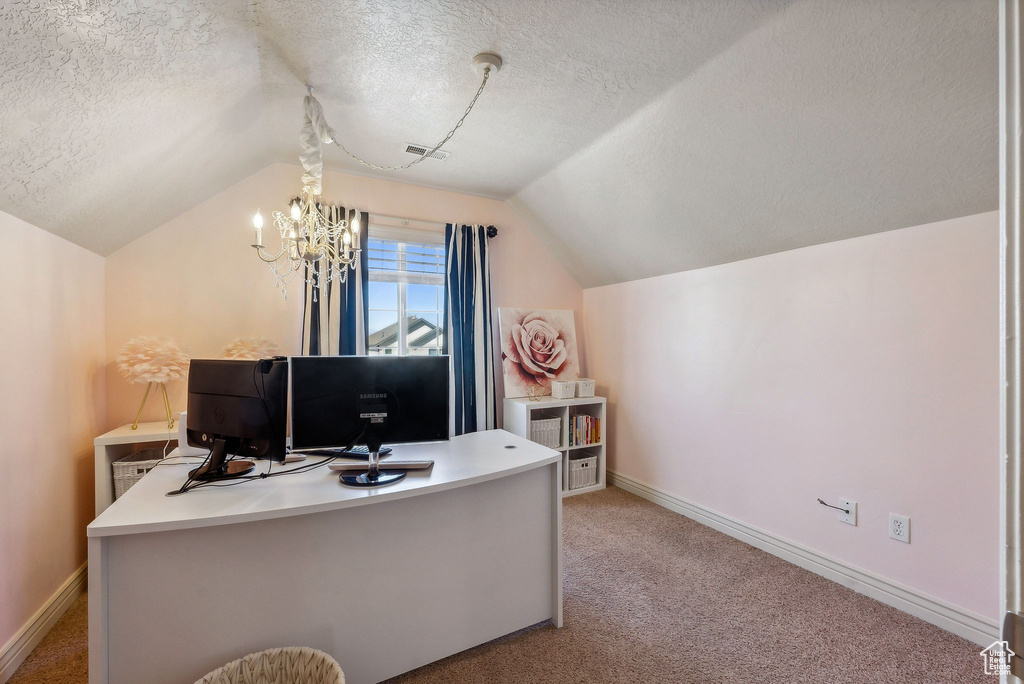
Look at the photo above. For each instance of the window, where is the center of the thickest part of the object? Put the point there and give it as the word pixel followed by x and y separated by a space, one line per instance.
pixel 406 292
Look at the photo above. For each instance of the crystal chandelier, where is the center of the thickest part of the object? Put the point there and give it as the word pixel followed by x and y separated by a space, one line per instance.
pixel 317 239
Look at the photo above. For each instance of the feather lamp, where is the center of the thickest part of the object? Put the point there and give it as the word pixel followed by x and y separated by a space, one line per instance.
pixel 251 349
pixel 153 360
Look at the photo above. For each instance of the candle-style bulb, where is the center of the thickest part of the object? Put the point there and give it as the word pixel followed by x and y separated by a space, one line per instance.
pixel 346 238
pixel 295 211
pixel 257 220
pixel 355 224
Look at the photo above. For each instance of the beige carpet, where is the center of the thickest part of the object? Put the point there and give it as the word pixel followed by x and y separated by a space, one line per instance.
pixel 62 657
pixel 651 596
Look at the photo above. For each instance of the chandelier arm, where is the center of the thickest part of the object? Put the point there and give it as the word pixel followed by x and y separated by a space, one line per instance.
pixel 260 252
pixel 451 133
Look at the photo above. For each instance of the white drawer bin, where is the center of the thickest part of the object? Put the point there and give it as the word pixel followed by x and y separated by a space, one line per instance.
pixel 582 472
pixel 547 432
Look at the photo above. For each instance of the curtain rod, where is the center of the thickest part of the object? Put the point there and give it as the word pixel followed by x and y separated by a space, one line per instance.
pixel 401 222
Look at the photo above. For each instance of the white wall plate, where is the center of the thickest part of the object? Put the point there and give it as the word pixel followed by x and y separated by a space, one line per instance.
pixel 851 517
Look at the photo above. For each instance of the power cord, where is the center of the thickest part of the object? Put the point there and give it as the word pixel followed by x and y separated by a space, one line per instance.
pixel 304 468
pixel 170 438
pixel 163 460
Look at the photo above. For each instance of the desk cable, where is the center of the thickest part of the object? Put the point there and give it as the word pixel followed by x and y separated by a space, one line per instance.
pixel 191 483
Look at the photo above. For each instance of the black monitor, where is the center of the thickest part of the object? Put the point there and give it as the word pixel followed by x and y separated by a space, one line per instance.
pixel 356 400
pixel 236 408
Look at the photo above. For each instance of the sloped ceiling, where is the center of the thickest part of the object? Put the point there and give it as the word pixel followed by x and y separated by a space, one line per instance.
pixel 640 136
pixel 118 119
pixel 836 120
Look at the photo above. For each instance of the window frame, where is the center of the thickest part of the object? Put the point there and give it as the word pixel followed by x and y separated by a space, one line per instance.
pixel 403 236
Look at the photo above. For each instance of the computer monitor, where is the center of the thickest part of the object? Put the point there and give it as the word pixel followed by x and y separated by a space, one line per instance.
pixel 368 400
pixel 236 408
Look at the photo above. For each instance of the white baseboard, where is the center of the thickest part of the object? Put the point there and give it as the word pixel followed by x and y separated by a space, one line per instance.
pixel 28 637
pixel 979 629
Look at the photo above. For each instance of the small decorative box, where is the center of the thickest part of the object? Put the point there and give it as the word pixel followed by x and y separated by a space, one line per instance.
pixel 563 389
pixel 584 387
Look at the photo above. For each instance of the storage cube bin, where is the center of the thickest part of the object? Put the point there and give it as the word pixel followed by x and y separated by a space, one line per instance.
pixel 547 432
pixel 131 468
pixel 582 472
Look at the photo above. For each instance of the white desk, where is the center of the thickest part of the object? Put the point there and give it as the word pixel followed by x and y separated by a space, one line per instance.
pixel 385 579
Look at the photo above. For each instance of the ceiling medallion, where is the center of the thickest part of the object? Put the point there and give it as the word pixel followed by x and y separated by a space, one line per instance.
pixel 317 239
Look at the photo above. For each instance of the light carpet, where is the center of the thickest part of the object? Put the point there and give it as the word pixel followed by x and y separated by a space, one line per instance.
pixel 651 596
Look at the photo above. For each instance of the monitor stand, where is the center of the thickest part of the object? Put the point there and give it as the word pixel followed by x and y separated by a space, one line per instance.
pixel 217 467
pixel 374 476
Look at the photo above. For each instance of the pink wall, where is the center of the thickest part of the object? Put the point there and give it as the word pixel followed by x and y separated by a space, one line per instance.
pixel 51 407
pixel 865 369
pixel 196 279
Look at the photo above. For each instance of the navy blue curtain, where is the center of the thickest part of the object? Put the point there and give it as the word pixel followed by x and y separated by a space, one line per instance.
pixel 468 331
pixel 334 316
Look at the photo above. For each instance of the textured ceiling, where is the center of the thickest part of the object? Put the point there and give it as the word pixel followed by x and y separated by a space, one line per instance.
pixel 127 114
pixel 116 120
pixel 703 131
pixel 835 120
pixel 390 72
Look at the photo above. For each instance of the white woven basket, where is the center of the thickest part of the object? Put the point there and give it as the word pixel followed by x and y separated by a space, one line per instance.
pixel 547 432
pixel 563 389
pixel 131 468
pixel 294 665
pixel 584 388
pixel 582 472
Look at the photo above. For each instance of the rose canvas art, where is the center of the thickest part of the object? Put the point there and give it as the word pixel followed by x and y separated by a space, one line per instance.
pixel 537 346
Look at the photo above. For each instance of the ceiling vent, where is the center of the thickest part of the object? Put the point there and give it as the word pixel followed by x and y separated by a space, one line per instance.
pixel 420 150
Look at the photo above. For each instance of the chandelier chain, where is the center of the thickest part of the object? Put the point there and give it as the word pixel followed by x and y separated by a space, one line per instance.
pixel 318 241
pixel 451 133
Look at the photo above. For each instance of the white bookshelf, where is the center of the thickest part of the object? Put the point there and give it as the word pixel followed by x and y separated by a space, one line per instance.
pixel 520 412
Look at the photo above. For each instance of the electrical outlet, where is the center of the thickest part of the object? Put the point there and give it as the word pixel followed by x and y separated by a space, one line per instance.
pixel 899 528
pixel 851 517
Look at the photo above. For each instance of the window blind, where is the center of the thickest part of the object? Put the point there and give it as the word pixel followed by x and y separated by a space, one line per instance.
pixel 392 261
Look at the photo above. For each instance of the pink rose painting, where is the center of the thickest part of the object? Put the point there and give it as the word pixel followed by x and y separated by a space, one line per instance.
pixel 537 346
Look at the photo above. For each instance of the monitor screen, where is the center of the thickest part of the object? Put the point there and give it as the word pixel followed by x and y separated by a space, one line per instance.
pixel 242 403
pixel 399 399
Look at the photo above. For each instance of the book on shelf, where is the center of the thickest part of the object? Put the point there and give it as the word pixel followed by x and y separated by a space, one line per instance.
pixel 584 430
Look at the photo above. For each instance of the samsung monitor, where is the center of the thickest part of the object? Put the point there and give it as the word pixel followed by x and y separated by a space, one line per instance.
pixel 340 401
pixel 236 408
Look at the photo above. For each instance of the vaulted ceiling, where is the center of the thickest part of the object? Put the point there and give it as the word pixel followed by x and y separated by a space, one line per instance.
pixel 637 136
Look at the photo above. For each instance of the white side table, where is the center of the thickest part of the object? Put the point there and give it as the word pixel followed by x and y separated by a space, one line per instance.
pixel 121 442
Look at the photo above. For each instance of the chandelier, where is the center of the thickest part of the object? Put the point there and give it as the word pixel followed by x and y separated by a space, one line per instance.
pixel 317 239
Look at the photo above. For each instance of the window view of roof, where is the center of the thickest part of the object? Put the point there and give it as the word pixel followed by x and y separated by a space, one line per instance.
pixel 406 293
pixel 422 337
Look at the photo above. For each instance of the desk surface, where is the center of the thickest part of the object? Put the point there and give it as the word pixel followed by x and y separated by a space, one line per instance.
pixel 462 461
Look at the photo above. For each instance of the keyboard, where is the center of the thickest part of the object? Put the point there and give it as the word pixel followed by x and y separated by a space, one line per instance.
pixel 356 452
pixel 386 464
